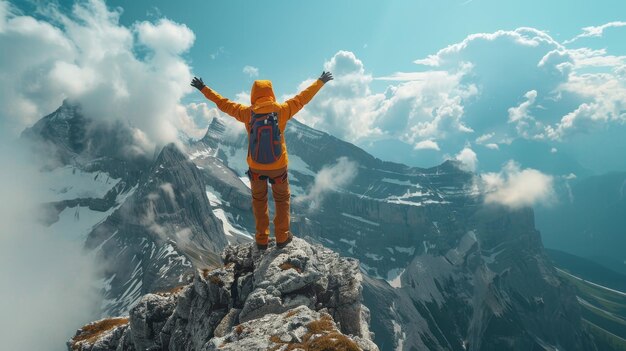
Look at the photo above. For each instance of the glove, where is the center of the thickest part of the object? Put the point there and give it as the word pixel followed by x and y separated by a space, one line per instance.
pixel 326 76
pixel 197 83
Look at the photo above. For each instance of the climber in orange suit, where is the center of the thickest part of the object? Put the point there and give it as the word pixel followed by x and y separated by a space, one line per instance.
pixel 267 158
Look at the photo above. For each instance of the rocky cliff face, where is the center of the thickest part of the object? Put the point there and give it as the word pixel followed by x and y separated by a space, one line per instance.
pixel 494 289
pixel 301 297
pixel 163 229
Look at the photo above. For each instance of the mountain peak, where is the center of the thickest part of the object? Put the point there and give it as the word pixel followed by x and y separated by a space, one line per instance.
pixel 171 150
pixel 215 130
pixel 301 296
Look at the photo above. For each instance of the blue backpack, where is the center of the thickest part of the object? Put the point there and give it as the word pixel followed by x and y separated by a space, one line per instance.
pixel 264 140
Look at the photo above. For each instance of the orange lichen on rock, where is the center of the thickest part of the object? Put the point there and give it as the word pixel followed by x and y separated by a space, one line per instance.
pixel 91 332
pixel 286 265
pixel 216 280
pixel 322 336
pixel 173 291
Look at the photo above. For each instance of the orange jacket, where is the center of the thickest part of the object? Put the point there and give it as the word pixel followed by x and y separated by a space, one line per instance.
pixel 263 101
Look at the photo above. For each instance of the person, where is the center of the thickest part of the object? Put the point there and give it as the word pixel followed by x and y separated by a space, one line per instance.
pixel 267 159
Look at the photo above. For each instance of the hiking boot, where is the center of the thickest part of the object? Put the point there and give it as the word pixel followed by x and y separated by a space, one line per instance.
pixel 284 243
pixel 261 247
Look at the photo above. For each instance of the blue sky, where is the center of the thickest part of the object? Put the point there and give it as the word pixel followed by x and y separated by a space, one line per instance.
pixel 290 40
pixel 539 83
pixel 386 35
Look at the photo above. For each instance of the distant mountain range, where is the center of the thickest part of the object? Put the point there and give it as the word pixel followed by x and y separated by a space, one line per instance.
pixel 590 219
pixel 442 271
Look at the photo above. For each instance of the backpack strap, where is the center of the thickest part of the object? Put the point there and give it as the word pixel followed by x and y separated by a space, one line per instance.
pixel 279 179
pixel 263 116
pixel 255 176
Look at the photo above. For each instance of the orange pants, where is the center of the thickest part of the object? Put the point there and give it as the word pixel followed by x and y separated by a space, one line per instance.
pixel 281 195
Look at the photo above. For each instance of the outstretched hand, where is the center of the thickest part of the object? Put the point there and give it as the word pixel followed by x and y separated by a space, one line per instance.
pixel 326 76
pixel 197 83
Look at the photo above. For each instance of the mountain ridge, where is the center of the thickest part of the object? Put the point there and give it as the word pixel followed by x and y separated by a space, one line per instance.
pixel 446 270
pixel 300 296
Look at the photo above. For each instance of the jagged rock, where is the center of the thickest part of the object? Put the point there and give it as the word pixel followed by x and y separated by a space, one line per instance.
pixel 299 328
pixel 101 335
pixel 148 317
pixel 302 274
pixel 301 295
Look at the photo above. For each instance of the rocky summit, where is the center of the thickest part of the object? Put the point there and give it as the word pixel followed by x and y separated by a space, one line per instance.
pixel 301 297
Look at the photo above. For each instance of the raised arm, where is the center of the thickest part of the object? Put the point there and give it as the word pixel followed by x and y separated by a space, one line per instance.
pixel 296 103
pixel 239 111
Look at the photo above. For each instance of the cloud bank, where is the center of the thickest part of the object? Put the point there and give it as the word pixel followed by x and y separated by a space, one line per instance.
pixel 515 187
pixel 329 178
pixel 468 159
pixel 251 71
pixel 134 74
pixel 511 85
pixel 50 287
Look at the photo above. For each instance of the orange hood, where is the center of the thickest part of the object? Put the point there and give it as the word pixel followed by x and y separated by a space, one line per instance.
pixel 262 94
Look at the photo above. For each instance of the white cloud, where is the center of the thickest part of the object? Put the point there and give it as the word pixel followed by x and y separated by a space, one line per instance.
pixel 468 159
pixel 203 113
pixel 597 58
pixel 485 137
pixel 420 106
pixel 515 187
pixel 251 71
pixel 345 107
pixel 492 146
pixel 433 104
pixel 50 281
pixel 168 189
pixel 410 76
pixel 217 53
pixel 521 111
pixel 604 97
pixel 468 92
pixel 165 36
pixel 329 178
pixel 596 31
pixel 90 58
pixel 524 36
pixel 426 145
pixel 570 176
pixel 526 125
pixel 553 79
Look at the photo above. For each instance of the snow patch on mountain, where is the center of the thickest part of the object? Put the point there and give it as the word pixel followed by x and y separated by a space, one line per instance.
pixel 298 164
pixel 245 180
pixel 237 159
pixel 407 250
pixel 75 223
pixel 400 182
pixel 360 219
pixel 231 228
pixel 400 335
pixel 394 277
pixel 69 182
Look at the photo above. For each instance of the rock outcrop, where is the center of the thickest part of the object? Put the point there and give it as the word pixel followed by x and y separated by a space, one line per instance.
pixel 303 296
